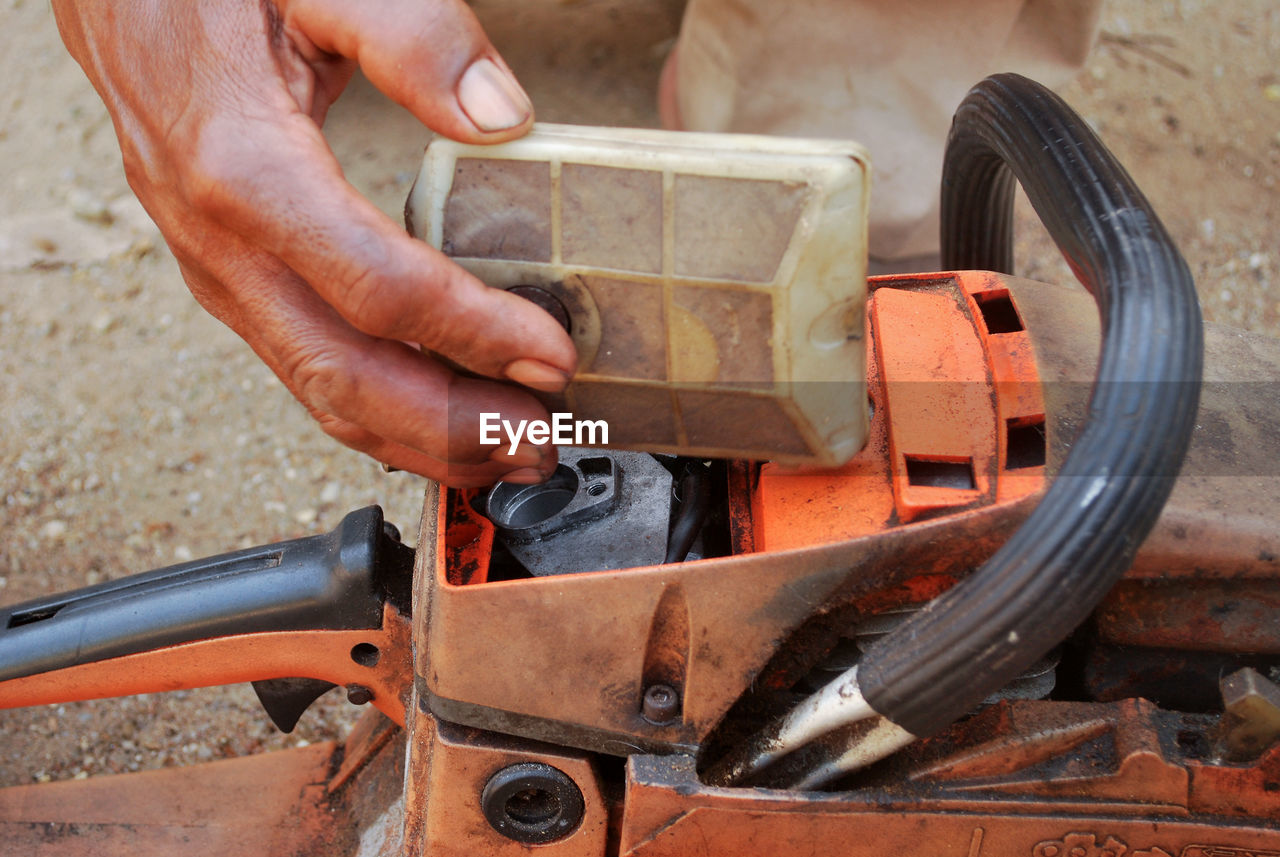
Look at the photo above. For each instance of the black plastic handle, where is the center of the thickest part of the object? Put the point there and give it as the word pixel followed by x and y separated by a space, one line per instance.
pixel 335 581
pixel 1082 537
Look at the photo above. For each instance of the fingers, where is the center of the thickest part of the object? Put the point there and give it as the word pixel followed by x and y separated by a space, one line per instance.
pixel 431 57
pixel 327 289
pixel 380 397
pixel 278 186
pixel 434 58
pixel 450 473
pixel 217 108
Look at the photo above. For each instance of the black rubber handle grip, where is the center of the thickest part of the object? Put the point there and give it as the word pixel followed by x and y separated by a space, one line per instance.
pixel 1082 537
pixel 335 581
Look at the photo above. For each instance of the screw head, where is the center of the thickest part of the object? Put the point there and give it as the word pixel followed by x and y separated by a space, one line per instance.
pixel 661 704
pixel 358 694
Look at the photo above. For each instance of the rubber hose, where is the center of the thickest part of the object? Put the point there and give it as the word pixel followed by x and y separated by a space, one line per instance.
pixel 695 491
pixel 1081 538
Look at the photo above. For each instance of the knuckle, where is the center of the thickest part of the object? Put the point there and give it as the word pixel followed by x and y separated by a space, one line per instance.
pixel 325 382
pixel 208 184
pixel 442 316
pixel 373 289
pixel 368 297
pixel 222 177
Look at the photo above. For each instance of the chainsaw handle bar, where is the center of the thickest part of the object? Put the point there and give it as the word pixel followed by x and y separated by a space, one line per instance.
pixel 334 581
pixel 1081 538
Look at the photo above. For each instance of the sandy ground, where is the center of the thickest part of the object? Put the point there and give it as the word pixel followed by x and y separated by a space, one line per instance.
pixel 137 432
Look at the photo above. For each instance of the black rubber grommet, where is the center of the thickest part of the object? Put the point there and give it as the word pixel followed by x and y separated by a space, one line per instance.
pixel 532 803
pixel 547 301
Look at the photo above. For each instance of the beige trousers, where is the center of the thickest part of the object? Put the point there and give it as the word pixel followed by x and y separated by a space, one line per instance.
pixel 887 73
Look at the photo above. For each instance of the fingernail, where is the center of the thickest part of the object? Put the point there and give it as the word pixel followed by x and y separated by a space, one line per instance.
pixel 526 455
pixel 491 98
pixel 525 476
pixel 536 374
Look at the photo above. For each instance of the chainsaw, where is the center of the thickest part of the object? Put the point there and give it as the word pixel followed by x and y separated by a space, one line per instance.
pixel 950 563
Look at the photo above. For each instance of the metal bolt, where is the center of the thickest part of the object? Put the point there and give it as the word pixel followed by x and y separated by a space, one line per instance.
pixel 546 300
pixel 661 703
pixel 358 694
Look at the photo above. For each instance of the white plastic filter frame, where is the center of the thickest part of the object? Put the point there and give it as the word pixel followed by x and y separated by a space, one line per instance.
pixel 716 284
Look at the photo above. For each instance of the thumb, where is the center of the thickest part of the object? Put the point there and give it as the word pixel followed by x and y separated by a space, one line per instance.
pixel 430 56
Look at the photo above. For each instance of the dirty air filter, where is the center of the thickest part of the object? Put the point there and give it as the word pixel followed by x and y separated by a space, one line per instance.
pixel 714 285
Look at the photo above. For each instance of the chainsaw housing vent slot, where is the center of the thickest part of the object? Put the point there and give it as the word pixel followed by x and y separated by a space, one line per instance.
pixel 941 473
pixel 999 315
pixel 1024 444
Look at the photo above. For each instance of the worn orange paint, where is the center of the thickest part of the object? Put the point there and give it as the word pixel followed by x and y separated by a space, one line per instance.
pixel 943 388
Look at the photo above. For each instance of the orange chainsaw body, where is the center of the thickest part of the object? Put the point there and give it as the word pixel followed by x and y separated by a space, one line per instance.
pixel 977 382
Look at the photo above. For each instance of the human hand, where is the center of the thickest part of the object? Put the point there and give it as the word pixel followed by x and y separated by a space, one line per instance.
pixel 218 106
